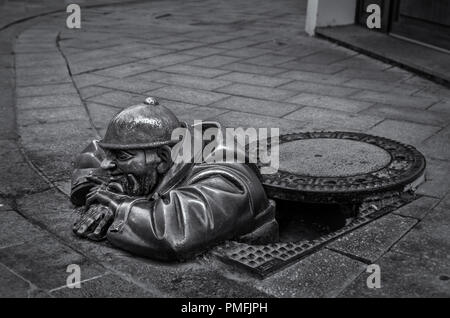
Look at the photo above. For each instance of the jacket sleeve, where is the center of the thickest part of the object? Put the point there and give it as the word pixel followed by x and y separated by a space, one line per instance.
pixel 86 164
pixel 190 219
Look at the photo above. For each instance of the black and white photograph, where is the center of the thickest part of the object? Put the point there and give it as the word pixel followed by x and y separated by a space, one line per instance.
pixel 224 152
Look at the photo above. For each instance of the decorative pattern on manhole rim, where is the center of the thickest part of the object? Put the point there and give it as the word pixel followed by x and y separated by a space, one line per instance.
pixel 406 165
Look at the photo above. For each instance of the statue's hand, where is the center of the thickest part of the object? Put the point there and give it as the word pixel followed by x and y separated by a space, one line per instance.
pixel 94 222
pixel 101 194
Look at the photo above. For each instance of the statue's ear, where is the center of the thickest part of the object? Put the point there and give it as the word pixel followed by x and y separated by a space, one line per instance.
pixel 165 154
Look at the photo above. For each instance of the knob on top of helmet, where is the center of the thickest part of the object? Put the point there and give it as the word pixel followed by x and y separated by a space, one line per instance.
pixel 142 126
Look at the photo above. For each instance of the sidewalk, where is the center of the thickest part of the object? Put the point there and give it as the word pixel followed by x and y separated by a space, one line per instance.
pixel 243 64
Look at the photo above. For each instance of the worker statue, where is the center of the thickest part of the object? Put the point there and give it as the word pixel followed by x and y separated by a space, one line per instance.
pixel 132 191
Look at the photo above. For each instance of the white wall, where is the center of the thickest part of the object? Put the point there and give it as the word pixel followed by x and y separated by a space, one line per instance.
pixel 323 13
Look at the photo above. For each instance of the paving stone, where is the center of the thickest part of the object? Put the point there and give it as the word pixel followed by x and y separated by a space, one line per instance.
pixel 257 92
pixel 193 82
pixel 168 59
pixel 443 106
pixel 437 182
pixel 191 96
pixel 254 79
pixel 131 85
pixel 326 119
pixel 257 106
pixel 429 238
pixel 193 70
pixel 236 119
pixel 118 99
pixel 50 101
pixel 189 279
pixel 404 276
pixel 41 71
pixel 150 76
pixel 317 88
pixel 98 64
pixel 85 80
pixel 314 77
pixel 52 210
pixel 18 178
pixel 183 45
pixel 382 86
pixel 251 68
pixel 323 274
pixel 334 103
pixel 203 51
pixel 177 107
pixel 11 285
pixel 373 75
pixel 15 229
pixel 44 261
pixel 270 59
pixel 437 146
pixel 200 113
pixel 101 114
pixel 147 52
pixel 311 67
pixel 408 114
pixel 126 70
pixel 395 99
pixel 35 80
pixel 51 146
pixel 108 286
pixel 91 91
pixel 246 52
pixel 327 56
pixel 362 62
pixel 418 208
pixel 213 61
pixel 39 60
pixel 43 90
pixel 406 132
pixel 50 115
pixel 237 44
pixel 372 241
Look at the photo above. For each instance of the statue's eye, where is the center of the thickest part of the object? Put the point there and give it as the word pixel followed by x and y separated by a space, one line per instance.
pixel 123 155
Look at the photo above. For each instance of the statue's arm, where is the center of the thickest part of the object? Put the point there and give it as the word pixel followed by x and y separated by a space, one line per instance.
pixel 187 221
pixel 86 164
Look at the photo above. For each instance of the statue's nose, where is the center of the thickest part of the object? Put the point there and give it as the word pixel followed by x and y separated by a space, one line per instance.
pixel 108 164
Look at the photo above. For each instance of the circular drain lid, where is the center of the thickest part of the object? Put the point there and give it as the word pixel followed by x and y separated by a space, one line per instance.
pixel 328 167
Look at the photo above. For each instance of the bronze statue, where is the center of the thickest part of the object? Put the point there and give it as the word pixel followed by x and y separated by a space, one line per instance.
pixel 134 194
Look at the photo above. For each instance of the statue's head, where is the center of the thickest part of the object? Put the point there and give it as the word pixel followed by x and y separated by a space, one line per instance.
pixel 137 145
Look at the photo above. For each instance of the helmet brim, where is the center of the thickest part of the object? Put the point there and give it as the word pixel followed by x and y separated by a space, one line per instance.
pixel 149 145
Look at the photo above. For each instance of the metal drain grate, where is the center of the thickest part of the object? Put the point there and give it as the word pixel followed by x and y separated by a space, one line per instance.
pixel 263 260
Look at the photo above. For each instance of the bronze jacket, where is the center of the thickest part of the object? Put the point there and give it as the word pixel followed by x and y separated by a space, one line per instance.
pixel 196 206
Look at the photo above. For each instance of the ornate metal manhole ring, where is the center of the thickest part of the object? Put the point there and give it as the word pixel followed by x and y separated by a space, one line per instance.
pixel 335 166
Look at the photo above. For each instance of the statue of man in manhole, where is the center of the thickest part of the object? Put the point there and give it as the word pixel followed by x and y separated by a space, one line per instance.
pixel 131 191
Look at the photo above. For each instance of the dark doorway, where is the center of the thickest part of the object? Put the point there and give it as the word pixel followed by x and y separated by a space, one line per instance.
pixel 422 21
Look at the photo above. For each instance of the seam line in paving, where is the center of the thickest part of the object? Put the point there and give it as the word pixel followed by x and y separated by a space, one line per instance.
pixel 74 84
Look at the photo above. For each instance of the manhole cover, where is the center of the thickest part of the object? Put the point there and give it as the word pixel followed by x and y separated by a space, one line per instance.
pixel 371 174
pixel 336 166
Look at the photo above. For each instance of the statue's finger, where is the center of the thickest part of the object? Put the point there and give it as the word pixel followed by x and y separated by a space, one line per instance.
pixel 91 216
pixel 94 179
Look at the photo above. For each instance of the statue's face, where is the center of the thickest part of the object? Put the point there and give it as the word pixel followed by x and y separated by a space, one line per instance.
pixel 134 170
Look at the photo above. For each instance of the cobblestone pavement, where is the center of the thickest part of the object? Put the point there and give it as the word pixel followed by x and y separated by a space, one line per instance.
pixel 243 63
